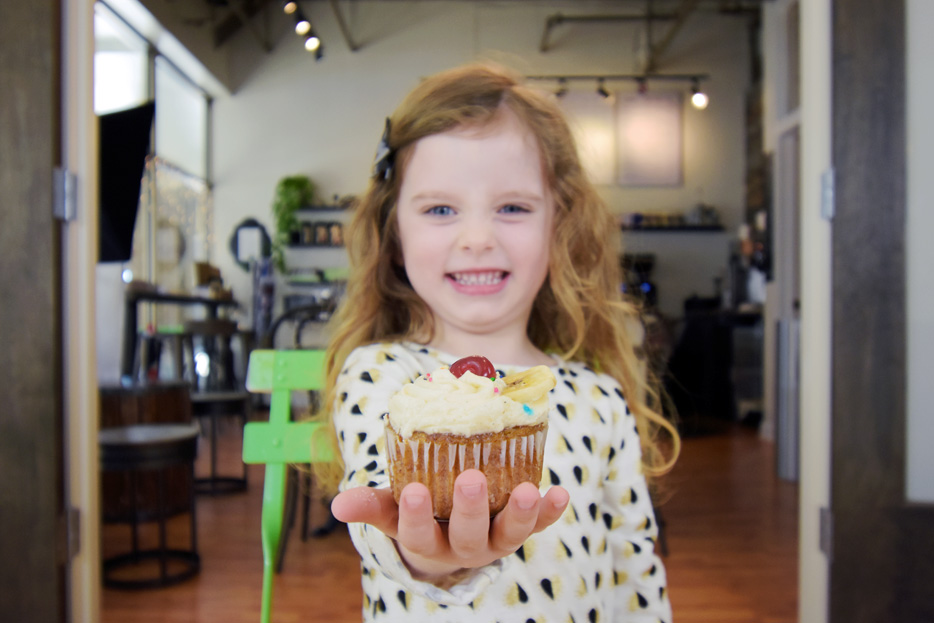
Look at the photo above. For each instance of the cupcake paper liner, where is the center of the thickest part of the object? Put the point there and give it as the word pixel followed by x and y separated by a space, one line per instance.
pixel 507 458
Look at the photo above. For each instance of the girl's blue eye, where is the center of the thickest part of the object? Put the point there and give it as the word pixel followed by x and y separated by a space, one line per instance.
pixel 513 209
pixel 440 210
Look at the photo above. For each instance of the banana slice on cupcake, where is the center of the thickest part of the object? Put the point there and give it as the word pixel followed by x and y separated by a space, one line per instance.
pixel 530 385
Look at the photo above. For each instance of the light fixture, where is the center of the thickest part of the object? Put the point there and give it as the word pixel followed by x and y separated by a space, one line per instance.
pixel 601 88
pixel 312 42
pixel 562 87
pixel 289 7
pixel 302 25
pixel 699 99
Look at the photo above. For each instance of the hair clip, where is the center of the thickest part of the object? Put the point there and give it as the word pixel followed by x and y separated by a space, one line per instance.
pixel 382 168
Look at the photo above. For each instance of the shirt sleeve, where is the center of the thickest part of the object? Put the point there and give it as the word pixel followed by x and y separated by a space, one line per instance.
pixel 371 374
pixel 639 575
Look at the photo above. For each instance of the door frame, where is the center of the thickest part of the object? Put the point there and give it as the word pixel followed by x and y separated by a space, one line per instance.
pixel 816 318
pixel 80 244
pixel 32 498
pixel 881 544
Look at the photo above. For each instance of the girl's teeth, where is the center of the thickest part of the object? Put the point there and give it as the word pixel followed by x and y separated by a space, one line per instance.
pixel 478 279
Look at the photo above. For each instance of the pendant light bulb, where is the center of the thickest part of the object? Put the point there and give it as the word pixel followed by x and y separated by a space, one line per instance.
pixel 289 7
pixel 312 43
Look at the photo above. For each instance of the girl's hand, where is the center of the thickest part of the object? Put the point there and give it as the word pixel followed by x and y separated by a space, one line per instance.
pixel 435 549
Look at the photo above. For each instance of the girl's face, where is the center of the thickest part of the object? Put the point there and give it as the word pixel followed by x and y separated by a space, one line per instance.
pixel 475 219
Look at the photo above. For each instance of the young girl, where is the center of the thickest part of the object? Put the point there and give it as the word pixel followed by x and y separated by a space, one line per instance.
pixel 480 235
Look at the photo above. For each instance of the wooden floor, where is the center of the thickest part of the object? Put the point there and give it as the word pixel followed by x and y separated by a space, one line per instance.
pixel 731 530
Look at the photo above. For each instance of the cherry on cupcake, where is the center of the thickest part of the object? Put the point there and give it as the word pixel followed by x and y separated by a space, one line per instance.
pixel 481 366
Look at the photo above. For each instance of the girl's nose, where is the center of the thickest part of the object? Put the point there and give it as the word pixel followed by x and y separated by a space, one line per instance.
pixel 477 234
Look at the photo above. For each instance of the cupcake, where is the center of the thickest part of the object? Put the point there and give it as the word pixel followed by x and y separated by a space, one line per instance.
pixel 467 417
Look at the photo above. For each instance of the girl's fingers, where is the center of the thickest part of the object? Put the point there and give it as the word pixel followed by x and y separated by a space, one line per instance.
pixel 367 505
pixel 468 539
pixel 469 525
pixel 554 502
pixel 515 523
pixel 418 531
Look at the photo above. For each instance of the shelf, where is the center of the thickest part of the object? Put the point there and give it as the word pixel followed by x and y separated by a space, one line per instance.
pixel 322 208
pixel 678 229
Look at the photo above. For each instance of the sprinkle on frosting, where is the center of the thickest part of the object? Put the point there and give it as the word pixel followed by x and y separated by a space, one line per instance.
pixel 440 402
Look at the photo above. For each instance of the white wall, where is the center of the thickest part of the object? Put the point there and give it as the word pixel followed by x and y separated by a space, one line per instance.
pixel 292 115
pixel 920 253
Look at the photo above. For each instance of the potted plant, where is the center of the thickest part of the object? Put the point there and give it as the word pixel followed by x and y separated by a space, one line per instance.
pixel 292 193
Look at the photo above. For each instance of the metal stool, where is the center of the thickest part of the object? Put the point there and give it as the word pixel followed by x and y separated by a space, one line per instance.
pixel 151 447
pixel 217 392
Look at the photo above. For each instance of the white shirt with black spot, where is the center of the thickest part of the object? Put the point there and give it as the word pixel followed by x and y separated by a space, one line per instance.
pixel 597 563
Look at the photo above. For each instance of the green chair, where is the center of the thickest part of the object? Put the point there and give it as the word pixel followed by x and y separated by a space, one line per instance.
pixel 280 441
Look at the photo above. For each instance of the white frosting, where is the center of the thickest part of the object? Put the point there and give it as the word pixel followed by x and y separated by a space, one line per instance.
pixel 439 402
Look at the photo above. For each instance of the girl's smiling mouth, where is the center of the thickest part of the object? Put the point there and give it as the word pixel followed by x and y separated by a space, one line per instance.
pixel 478 281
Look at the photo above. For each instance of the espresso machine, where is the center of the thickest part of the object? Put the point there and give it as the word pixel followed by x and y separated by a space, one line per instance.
pixel 637 278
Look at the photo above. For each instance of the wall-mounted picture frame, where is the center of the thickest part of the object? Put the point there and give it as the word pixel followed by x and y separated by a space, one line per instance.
pixel 649 139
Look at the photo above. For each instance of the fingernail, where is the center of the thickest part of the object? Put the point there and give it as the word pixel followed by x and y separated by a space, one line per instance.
pixel 414 500
pixel 525 503
pixel 471 491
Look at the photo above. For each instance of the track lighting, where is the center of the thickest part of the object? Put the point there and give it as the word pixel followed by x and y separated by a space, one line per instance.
pixel 304 29
pixel 643 85
pixel 562 87
pixel 601 89
pixel 699 99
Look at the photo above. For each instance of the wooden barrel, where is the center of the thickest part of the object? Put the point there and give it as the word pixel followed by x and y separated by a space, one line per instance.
pixel 144 403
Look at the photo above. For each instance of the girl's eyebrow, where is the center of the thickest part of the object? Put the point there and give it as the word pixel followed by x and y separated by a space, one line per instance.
pixel 510 195
pixel 522 194
pixel 432 195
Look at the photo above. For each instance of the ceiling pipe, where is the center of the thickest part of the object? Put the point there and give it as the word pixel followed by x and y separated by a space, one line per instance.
pixel 558 19
pixel 681 15
pixel 224 22
pixel 342 24
pixel 736 7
